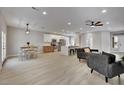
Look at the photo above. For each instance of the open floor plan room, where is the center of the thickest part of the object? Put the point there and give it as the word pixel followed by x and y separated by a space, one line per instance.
pixel 61 46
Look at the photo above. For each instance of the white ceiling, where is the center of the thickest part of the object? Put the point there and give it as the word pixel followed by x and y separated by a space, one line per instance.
pixel 58 17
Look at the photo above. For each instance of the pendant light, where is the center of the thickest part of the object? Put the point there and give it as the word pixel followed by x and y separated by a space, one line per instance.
pixel 27 30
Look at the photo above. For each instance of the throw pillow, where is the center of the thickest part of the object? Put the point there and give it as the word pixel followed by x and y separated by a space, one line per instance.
pixel 111 57
pixel 87 50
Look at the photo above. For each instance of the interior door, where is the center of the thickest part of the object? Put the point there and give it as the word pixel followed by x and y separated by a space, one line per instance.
pixel 3 46
pixel 121 43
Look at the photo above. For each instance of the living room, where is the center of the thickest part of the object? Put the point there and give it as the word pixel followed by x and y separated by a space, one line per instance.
pixel 44 40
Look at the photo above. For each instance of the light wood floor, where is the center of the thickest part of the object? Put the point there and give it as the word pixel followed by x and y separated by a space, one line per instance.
pixel 51 68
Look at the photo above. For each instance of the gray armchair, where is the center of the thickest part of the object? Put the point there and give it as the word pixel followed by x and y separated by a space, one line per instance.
pixel 83 52
pixel 101 64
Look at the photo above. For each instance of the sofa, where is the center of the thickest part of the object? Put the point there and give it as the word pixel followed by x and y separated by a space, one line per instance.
pixel 105 64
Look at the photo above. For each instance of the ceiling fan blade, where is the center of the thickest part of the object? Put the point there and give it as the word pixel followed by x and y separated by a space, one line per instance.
pixel 98 22
pixel 99 25
pixel 34 8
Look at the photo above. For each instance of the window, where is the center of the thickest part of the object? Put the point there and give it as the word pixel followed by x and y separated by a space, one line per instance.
pixel 115 41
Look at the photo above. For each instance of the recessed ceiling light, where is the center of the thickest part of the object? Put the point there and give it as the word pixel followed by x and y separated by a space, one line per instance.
pixel 44 12
pixel 69 23
pixel 27 32
pixel 81 28
pixel 107 23
pixel 104 11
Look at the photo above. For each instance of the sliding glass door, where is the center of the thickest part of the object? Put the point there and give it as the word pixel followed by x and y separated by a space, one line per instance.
pixel 3 46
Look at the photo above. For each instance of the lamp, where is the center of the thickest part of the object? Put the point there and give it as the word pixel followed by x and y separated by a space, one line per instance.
pixel 27 30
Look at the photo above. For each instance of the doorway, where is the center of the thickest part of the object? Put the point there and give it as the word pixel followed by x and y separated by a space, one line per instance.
pixel 3 46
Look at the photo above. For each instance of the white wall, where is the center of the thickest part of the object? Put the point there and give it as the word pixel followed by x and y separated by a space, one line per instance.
pixel 16 38
pixel 96 40
pixel 71 40
pixel 106 41
pixel 91 39
pixel 2 28
pixel 77 39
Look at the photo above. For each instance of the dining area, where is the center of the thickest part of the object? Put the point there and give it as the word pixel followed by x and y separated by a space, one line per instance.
pixel 28 52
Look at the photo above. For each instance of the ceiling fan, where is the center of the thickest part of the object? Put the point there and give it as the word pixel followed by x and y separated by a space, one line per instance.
pixel 93 23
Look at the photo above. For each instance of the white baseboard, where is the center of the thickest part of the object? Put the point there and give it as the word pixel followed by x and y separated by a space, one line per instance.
pixel 11 56
pixel 17 55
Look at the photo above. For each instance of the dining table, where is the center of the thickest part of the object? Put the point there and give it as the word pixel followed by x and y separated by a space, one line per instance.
pixel 28 52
